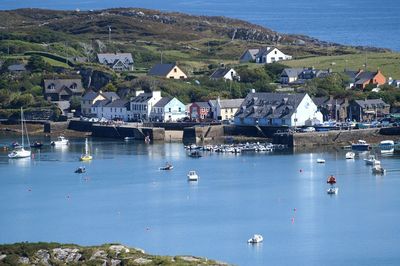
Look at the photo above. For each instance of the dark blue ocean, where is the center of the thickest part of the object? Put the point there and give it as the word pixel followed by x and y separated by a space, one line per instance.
pixel 124 197
pixel 355 22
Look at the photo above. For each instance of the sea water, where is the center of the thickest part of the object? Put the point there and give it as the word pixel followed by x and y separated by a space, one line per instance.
pixel 356 22
pixel 123 197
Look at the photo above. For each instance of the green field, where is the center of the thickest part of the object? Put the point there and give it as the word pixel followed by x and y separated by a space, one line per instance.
pixel 388 63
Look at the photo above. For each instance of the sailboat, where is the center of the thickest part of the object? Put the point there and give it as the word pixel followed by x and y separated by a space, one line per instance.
pixel 86 156
pixel 19 151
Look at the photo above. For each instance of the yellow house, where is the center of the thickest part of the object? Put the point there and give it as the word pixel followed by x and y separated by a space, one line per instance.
pixel 170 71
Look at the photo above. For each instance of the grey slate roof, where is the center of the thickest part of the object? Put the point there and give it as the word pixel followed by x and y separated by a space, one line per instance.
pixel 220 73
pixel 111 59
pixel 269 105
pixel 364 76
pixel 253 52
pixel 163 102
pixel 142 98
pixel 89 96
pixel 203 104
pixel 120 103
pixel 161 69
pixel 110 95
pixel 229 103
pixel 73 86
pixel 291 72
pixel 326 101
pixel 371 103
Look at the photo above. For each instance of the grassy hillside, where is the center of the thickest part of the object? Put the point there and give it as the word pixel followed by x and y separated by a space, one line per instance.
pixel 388 63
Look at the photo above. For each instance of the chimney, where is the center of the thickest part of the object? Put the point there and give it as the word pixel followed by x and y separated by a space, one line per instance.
pixel 137 93
pixel 156 94
pixel 253 91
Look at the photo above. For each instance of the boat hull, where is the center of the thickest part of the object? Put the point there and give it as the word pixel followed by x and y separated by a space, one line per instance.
pixel 19 154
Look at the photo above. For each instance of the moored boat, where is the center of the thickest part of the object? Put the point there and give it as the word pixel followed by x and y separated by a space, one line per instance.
pixel 350 155
pixel 192 176
pixel 371 160
pixel 378 170
pixel 167 166
pixel 36 144
pixel 80 170
pixel 361 145
pixel 86 156
pixel 320 160
pixel 255 239
pixel 19 150
pixel 332 190
pixel 195 154
pixel 61 141
pixel 386 146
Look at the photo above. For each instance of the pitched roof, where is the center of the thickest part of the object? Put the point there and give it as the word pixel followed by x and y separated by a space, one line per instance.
pixel 101 103
pixel 111 59
pixel 202 104
pixel 120 103
pixel 220 73
pixel 252 51
pixel 292 72
pixel 269 105
pixel 365 76
pixel 228 103
pixel 325 101
pixel 161 69
pixel 142 98
pixel 163 102
pixel 89 96
pixel 371 103
pixel 57 85
pixel 110 95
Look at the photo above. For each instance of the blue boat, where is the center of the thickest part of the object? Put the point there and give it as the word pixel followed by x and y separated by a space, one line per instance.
pixel 361 145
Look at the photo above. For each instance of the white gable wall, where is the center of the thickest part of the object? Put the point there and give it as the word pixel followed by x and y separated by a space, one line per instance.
pixel 307 109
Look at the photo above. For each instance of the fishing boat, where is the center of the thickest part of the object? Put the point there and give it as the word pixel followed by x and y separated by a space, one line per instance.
pixel 167 166
pixel 350 155
pixel 19 150
pixel 192 176
pixel 361 145
pixel 386 146
pixel 320 160
pixel 61 141
pixel 255 239
pixel 86 156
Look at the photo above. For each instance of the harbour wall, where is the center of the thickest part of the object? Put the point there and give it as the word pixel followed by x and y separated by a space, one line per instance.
pixel 373 135
pixel 110 131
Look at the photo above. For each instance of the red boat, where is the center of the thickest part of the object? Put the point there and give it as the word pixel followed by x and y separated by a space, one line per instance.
pixel 331 180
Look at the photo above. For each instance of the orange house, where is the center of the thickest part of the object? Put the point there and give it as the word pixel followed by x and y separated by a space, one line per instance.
pixel 364 78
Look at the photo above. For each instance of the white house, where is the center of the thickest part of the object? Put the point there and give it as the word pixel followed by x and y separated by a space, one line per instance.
pixel 277 109
pixel 142 104
pixel 168 110
pixel 225 109
pixel 265 55
pixel 225 73
pixel 118 109
pixel 91 97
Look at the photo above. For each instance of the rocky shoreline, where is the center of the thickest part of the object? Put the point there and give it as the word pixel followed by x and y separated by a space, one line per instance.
pixel 70 254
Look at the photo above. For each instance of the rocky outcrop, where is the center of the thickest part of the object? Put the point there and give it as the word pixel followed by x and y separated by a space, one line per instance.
pixel 94 79
pixel 108 255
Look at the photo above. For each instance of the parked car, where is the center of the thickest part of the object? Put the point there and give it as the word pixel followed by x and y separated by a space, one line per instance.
pixel 309 129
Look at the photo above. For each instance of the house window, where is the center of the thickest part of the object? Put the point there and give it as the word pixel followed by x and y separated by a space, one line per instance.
pixel 169 110
pixel 280 58
pixel 175 70
pixel 276 52
pixel 179 109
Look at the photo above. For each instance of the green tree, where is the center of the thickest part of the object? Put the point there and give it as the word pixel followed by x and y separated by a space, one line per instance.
pixel 75 103
pixel 110 87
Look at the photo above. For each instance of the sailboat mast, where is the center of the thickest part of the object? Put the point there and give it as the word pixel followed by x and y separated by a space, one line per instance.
pixel 22 128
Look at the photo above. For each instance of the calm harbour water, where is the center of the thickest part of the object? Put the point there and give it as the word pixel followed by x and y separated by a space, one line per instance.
pixel 124 198
pixel 356 22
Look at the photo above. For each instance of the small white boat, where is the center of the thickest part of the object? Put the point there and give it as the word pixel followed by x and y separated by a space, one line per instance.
pixel 386 146
pixel 378 170
pixel 320 160
pixel 19 150
pixel 350 155
pixel 332 190
pixel 61 141
pixel 129 138
pixel 371 160
pixel 255 239
pixel 192 176
pixel 361 145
